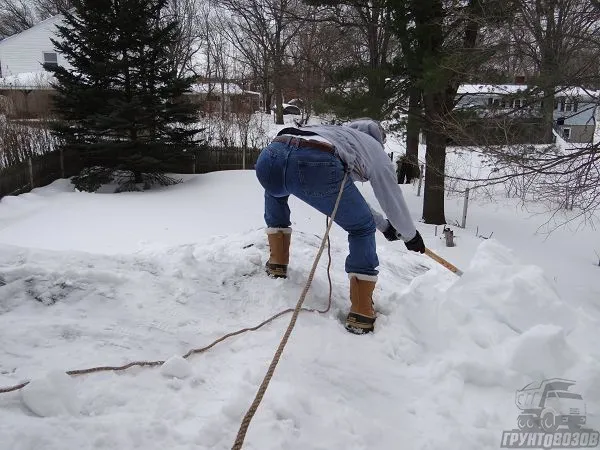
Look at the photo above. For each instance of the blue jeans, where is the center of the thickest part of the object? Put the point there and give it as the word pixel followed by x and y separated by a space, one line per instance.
pixel 315 177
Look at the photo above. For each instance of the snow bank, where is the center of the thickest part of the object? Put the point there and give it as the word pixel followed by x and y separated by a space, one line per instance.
pixel 514 295
pixel 500 322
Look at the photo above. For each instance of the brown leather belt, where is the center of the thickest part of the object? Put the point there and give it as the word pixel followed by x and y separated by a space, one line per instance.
pixel 300 142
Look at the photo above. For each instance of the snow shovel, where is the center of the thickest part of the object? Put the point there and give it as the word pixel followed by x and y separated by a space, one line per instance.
pixel 443 262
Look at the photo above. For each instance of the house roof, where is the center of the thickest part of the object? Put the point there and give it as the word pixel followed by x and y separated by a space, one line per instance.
pixel 43 80
pixel 56 18
pixel 511 89
pixel 215 88
pixel 496 89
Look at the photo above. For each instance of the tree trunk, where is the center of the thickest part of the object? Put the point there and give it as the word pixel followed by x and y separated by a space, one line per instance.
pixel 548 113
pixel 548 73
pixel 222 99
pixel 413 128
pixel 278 94
pixel 268 101
pixel 266 97
pixel 278 106
pixel 433 197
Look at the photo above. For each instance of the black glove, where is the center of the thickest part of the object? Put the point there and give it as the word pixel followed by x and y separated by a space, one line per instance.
pixel 390 233
pixel 416 244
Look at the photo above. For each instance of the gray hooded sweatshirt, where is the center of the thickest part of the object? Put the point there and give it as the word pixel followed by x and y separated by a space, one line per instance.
pixel 359 145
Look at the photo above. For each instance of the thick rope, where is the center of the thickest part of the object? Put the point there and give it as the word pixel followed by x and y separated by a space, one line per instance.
pixel 195 350
pixel 239 440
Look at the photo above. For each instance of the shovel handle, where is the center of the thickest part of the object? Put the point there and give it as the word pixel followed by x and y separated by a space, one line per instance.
pixel 443 262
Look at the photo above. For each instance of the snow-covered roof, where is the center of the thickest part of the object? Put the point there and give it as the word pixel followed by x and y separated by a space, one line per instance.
pixel 577 92
pixel 511 89
pixel 215 88
pixel 497 89
pixel 28 80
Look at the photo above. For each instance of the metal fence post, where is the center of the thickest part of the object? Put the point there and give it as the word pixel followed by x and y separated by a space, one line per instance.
pixel 62 163
pixel 465 207
pixel 420 181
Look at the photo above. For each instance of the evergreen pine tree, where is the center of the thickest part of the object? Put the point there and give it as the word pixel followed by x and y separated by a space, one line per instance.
pixel 122 106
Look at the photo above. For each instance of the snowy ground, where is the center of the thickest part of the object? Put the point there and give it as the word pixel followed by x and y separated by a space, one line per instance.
pixel 103 279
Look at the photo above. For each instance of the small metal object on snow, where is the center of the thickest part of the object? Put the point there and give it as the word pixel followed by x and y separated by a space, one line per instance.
pixel 449 235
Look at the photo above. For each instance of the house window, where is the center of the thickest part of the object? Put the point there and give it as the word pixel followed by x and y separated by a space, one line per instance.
pixel 51 59
pixel 497 102
pixel 518 103
pixel 566 132
pixel 569 105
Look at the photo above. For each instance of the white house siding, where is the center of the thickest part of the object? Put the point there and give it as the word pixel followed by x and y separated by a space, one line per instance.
pixel 24 52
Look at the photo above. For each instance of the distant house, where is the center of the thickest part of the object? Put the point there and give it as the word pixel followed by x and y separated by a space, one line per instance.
pixel 575 114
pixel 507 112
pixel 26 91
pixel 26 51
pixel 26 95
pixel 227 97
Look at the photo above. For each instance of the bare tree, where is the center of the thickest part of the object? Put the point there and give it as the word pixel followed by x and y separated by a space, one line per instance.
pixel 186 47
pixel 256 58
pixel 270 25
pixel 15 16
pixel 49 8
pixel 20 15
pixel 315 52
pixel 556 40
pixel 366 32
pixel 552 34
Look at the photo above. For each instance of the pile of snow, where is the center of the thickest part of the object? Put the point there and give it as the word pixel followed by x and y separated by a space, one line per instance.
pixel 177 367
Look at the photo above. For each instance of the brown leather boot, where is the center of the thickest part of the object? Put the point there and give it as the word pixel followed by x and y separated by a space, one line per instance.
pixel 279 247
pixel 361 318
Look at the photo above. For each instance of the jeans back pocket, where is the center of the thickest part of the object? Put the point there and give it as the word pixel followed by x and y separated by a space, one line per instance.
pixel 320 178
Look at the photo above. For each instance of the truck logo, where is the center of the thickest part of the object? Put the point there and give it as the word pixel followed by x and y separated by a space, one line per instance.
pixel 551 416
